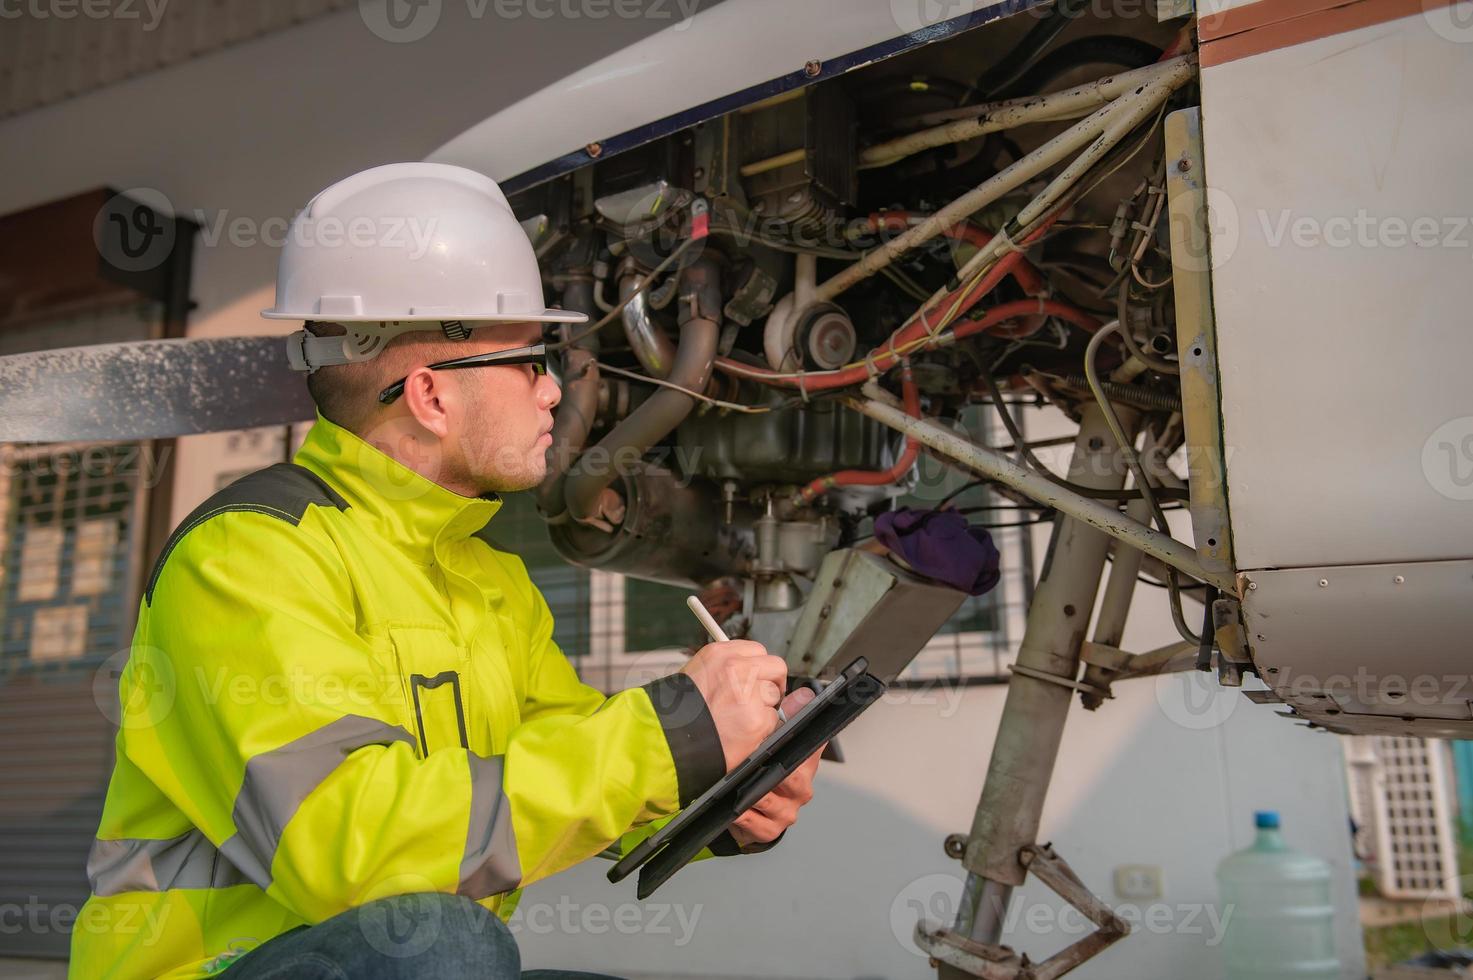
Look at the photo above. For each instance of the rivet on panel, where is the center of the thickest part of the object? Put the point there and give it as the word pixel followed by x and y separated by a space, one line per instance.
pixel 1324 582
pixel 1400 580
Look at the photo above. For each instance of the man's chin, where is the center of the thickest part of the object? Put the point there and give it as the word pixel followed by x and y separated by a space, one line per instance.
pixel 515 482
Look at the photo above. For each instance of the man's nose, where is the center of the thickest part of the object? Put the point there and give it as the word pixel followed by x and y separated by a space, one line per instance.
pixel 548 393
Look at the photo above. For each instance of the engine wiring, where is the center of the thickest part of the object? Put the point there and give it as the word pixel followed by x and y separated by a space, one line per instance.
pixel 1142 481
pixel 707 399
pixel 1047 242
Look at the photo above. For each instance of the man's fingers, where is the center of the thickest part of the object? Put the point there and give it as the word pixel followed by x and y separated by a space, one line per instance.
pixel 759 827
pixel 797 699
pixel 770 668
pixel 742 648
pixel 780 810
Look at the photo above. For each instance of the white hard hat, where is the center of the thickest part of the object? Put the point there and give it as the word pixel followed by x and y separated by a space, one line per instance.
pixel 407 246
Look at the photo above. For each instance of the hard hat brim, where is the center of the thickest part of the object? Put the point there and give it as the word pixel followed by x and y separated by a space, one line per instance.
pixel 545 316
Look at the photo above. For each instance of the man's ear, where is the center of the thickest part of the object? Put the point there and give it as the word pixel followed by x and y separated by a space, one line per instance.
pixel 431 398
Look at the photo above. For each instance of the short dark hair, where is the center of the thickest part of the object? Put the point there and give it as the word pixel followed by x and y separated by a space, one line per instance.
pixel 334 394
pixel 346 394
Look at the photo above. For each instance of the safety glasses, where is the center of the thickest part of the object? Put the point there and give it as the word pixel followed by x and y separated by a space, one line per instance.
pixel 535 355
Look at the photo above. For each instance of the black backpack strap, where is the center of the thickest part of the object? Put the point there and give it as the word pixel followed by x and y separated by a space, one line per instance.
pixel 283 491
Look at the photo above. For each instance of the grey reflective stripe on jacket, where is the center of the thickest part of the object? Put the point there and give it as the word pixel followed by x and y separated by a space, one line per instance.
pixel 273 789
pixel 186 861
pixel 277 782
pixel 490 865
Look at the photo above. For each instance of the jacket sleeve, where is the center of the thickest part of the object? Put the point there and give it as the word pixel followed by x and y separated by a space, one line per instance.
pixel 283 740
pixel 554 689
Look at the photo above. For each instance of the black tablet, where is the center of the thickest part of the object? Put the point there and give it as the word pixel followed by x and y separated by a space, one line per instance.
pixel 672 846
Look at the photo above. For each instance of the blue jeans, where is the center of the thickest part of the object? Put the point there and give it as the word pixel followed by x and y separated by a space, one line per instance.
pixel 407 936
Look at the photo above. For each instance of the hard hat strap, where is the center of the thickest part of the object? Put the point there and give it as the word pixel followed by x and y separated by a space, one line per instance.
pixel 307 352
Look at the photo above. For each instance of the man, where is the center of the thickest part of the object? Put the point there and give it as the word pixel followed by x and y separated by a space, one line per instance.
pixel 347 736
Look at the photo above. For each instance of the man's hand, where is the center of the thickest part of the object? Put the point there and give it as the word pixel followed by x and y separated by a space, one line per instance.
pixel 742 684
pixel 778 810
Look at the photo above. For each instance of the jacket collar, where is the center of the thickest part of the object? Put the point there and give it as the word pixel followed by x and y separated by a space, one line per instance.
pixel 412 512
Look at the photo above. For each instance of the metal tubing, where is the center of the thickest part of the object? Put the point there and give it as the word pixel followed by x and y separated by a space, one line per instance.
pixel 653 348
pixel 659 414
pixel 573 420
pixel 1115 606
pixel 1033 716
pixel 1105 126
pixel 980 120
pixel 1119 119
pixel 881 407
pixel 1119 591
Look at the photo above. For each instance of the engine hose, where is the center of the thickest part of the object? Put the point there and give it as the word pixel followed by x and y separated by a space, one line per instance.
pixel 658 415
pixel 1026 274
pixel 573 419
pixel 652 347
pixel 875 478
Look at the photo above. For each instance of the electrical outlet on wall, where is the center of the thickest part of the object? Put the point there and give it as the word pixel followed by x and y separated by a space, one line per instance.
pixel 1138 882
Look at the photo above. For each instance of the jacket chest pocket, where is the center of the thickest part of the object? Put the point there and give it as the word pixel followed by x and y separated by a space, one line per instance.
pixel 432 669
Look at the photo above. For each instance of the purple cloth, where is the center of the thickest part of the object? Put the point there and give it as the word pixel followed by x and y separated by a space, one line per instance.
pixel 941 545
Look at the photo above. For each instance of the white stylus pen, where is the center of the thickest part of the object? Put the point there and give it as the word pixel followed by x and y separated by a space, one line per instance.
pixel 714 630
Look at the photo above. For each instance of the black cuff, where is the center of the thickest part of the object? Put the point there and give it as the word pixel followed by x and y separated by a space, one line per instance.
pixel 691 731
pixel 726 845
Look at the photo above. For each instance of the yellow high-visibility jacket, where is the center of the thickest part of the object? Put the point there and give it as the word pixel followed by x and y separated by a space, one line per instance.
pixel 335 694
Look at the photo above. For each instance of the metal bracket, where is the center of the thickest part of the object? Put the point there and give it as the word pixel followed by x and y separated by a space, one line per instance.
pixel 972 958
pixel 1233 659
pixel 1124 665
pixel 1103 655
pixel 1059 679
pixel 1002 963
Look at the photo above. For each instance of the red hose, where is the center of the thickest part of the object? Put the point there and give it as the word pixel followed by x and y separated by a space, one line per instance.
pixel 1026 274
pixel 961 299
pixel 885 360
pixel 876 478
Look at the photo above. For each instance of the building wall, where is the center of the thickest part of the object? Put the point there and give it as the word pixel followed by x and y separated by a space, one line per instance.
pixel 251 132
pixel 1139 782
